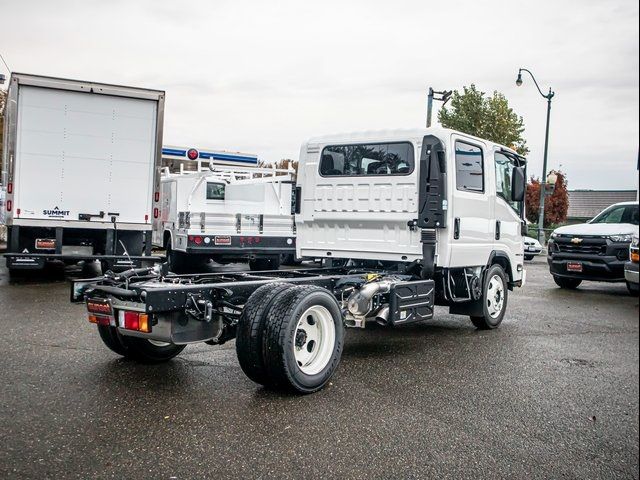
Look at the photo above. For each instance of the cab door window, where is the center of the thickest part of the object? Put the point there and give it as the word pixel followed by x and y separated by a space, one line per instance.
pixel 469 167
pixel 504 176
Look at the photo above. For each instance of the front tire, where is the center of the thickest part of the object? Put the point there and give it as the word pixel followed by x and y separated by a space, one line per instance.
pixel 633 289
pixel 303 339
pixel 494 299
pixel 529 257
pixel 567 283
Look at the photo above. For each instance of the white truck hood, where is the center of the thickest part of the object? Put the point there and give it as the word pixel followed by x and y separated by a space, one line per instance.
pixel 601 229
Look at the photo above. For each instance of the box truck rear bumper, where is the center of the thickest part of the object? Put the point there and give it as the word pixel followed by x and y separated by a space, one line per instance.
pixel 36 261
pixel 239 245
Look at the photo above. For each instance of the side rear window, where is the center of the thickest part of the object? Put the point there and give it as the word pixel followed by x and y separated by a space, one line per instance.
pixel 215 191
pixel 367 159
pixel 469 167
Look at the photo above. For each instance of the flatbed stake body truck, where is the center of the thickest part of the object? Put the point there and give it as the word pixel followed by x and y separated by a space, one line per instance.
pixel 80 171
pixel 227 214
pixel 416 218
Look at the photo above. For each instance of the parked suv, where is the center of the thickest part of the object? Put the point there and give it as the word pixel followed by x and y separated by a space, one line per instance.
pixel 596 250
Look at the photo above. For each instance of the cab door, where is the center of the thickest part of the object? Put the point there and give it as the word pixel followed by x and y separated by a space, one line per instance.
pixel 471 227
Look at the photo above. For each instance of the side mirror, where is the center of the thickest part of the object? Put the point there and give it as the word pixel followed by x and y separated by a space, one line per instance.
pixel 518 185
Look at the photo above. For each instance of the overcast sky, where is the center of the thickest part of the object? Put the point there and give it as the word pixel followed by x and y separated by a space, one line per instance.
pixel 262 76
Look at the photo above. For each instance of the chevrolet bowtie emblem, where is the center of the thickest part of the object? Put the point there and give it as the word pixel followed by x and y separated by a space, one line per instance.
pixel 576 240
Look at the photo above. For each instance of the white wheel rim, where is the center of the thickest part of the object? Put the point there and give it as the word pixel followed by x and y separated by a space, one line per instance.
pixel 314 339
pixel 495 296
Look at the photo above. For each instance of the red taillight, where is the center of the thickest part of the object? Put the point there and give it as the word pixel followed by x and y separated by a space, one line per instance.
pixel 131 320
pixel 192 154
pixel 146 217
pixel 156 196
pixel 257 239
pixel 9 187
pixel 197 240
pixel 156 213
pixel 135 321
pixel 9 205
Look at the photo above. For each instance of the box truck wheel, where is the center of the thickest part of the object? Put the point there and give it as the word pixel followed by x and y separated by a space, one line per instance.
pixel 494 299
pixel 249 336
pixel 303 339
pixel 271 262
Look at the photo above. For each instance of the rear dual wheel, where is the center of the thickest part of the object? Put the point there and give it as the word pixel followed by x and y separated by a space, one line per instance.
pixel 290 337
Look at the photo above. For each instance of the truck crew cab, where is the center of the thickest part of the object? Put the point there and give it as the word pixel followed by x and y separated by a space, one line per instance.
pixel 415 218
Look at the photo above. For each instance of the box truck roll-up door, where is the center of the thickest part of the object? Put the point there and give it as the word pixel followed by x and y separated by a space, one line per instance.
pixel 84 153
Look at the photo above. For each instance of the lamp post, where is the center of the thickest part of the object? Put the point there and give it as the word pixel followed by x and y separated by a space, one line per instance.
pixel 548 97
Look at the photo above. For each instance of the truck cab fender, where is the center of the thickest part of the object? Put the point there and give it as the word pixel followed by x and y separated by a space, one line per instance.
pixel 501 258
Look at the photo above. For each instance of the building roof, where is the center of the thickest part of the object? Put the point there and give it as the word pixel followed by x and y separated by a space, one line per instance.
pixel 587 204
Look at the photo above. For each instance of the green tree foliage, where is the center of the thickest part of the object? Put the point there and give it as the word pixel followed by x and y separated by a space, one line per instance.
pixel 556 205
pixel 490 117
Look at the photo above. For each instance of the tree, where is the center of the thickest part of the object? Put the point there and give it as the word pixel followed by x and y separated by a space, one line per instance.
pixel 283 164
pixel 556 205
pixel 490 117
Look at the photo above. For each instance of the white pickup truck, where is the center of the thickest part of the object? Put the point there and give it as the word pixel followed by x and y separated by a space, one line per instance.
pixel 418 217
pixel 226 214
pixel 80 171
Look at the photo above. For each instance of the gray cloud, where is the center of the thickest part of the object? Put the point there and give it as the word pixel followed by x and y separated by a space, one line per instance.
pixel 262 76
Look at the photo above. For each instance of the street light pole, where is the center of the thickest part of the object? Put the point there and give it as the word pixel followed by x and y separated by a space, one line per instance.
pixel 548 97
pixel 444 97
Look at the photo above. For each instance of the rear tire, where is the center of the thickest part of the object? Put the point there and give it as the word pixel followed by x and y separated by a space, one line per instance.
pixel 567 283
pixel 249 336
pixel 111 338
pixel 303 339
pixel 494 299
pixel 139 349
pixel 264 263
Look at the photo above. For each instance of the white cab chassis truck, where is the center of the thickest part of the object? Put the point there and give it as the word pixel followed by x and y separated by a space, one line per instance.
pixel 411 219
pixel 227 214
pixel 80 171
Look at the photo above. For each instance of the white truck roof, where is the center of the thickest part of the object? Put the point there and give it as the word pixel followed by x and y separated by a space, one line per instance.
pixel 392 135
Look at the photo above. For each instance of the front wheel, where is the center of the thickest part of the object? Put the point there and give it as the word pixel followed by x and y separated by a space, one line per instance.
pixel 494 299
pixel 568 283
pixel 303 339
pixel 633 289
pixel 529 257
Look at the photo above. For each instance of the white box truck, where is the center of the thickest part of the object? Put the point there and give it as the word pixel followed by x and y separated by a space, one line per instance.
pixel 426 217
pixel 80 171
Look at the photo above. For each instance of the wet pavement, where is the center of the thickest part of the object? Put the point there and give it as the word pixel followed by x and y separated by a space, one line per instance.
pixel 553 393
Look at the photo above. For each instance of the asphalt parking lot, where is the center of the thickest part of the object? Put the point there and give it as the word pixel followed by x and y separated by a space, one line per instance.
pixel 553 393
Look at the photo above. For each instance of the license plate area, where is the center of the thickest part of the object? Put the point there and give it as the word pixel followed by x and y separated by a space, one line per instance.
pixel 45 243
pixel 574 267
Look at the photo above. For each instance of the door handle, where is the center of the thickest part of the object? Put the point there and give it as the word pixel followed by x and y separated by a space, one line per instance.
pixel 456 228
pixel 497 229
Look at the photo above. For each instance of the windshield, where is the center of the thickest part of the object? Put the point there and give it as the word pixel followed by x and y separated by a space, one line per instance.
pixel 619 214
